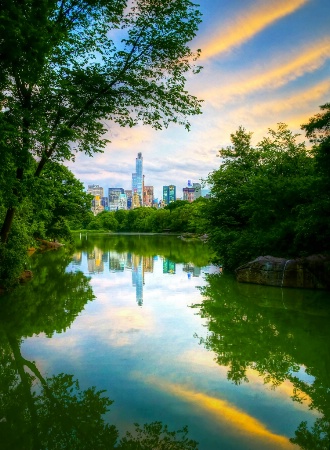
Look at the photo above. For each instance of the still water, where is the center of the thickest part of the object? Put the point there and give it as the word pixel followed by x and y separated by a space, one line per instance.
pixel 146 322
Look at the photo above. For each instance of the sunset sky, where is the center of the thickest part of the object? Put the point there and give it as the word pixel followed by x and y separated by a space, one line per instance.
pixel 264 62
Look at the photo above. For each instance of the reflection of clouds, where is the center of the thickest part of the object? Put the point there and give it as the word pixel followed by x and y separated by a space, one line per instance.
pixel 247 23
pixel 205 360
pixel 235 420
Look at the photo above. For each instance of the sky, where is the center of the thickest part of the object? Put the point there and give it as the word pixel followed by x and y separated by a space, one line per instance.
pixel 264 62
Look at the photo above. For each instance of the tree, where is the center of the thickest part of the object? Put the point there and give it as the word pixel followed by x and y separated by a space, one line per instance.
pixel 66 66
pixel 313 220
pixel 255 195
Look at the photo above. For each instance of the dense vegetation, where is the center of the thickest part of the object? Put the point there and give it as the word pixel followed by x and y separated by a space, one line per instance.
pixel 179 216
pixel 272 198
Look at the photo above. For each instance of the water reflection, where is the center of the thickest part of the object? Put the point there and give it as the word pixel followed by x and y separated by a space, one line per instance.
pixel 137 254
pixel 283 335
pixel 51 412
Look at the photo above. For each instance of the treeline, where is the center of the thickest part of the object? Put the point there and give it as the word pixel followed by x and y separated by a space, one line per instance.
pixel 179 216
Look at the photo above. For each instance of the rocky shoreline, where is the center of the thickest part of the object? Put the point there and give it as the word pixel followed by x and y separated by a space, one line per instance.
pixel 311 272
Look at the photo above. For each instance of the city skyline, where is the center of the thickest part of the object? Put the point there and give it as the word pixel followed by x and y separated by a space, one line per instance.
pixel 264 62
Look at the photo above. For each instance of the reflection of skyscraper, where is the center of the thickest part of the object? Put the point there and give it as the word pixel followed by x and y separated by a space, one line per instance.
pixel 190 268
pixel 77 258
pixel 95 261
pixel 168 266
pixel 148 264
pixel 116 261
pixel 138 278
pixel 129 263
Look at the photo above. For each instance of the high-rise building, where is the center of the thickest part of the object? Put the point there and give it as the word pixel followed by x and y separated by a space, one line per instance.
pixel 114 195
pixel 189 194
pixel 148 196
pixel 105 203
pixel 137 178
pixel 169 194
pixel 129 197
pixel 122 201
pixel 198 190
pixel 136 201
pixel 96 205
pixel 95 189
pixel 97 192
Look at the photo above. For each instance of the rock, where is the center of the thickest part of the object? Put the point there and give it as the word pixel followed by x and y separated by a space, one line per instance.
pixel 48 245
pixel 311 272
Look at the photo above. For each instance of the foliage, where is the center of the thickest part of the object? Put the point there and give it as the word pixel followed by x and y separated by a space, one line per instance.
pixel 267 199
pixel 59 201
pixel 313 217
pixel 183 217
pixel 13 256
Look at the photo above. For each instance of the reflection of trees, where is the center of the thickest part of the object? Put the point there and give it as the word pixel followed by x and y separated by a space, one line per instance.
pixel 170 247
pixel 38 412
pixel 274 332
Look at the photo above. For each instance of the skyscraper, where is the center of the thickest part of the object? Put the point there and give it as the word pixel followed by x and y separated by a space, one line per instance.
pixel 169 194
pixel 114 195
pixel 137 178
pixel 148 195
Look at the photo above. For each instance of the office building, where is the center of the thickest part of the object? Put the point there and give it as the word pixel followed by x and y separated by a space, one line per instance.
pixel 96 205
pixel 114 195
pixel 129 198
pixel 189 194
pixel 169 194
pixel 198 190
pixel 148 196
pixel 95 189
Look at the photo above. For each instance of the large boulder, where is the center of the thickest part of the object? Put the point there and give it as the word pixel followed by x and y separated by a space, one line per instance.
pixel 311 272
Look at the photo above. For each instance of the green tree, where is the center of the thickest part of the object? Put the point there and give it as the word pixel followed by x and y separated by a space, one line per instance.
pixel 66 66
pixel 255 194
pixel 313 220
pixel 59 202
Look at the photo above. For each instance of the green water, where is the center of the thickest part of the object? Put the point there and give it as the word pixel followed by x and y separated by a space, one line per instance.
pixel 146 322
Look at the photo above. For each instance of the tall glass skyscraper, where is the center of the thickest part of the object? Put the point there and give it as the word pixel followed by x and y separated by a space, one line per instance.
pixel 137 178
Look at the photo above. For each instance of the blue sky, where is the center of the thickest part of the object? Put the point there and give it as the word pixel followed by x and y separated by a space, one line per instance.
pixel 264 62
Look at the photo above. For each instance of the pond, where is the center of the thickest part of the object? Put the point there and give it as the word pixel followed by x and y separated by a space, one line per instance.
pixel 147 323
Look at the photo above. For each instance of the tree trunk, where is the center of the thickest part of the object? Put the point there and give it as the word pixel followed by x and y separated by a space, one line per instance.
pixel 7 225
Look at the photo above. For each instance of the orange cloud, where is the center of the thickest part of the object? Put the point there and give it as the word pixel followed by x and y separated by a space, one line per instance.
pixel 249 23
pixel 304 100
pixel 283 71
